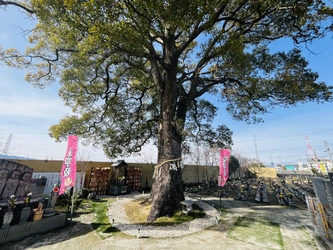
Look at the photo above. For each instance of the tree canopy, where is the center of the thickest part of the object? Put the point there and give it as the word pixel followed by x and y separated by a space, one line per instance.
pixel 137 71
pixel 111 59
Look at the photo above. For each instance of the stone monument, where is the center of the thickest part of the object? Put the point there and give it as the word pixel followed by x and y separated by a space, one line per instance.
pixel 16 179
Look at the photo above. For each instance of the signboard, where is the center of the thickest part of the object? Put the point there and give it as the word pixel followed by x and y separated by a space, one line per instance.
pixel 290 168
pixel 322 167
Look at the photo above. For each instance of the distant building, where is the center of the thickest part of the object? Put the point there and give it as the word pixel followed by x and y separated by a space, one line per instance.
pixel 291 167
pixel 322 165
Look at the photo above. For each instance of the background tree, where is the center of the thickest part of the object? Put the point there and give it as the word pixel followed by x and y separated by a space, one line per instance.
pixel 195 159
pixel 234 165
pixel 244 162
pixel 83 163
pixel 135 71
pixel 204 156
pixel 257 168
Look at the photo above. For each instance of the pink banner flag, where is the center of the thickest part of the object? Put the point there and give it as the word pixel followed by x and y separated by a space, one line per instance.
pixel 68 172
pixel 224 167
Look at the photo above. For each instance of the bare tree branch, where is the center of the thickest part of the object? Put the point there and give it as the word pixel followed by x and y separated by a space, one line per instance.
pixel 6 3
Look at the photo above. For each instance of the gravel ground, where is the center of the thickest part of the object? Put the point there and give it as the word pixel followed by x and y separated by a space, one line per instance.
pixel 295 228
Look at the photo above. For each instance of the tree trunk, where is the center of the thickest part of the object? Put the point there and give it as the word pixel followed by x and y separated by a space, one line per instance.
pixel 167 193
pixel 167 190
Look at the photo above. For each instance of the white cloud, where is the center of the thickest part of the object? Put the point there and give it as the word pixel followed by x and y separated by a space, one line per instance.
pixel 3 37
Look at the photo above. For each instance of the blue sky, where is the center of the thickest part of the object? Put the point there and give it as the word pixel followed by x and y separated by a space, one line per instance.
pixel 27 112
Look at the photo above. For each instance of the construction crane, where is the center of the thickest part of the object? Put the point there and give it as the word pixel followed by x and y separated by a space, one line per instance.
pixel 312 152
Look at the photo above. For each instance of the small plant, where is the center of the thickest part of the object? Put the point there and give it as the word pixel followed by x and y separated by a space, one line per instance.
pixel 12 202
pixel 27 199
pixel 121 178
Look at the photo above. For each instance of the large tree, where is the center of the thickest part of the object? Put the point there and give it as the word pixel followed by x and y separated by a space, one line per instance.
pixel 138 71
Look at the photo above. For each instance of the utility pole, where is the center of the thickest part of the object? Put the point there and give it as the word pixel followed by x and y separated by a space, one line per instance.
pixel 329 153
pixel 255 146
pixel 272 163
pixel 6 148
pixel 307 156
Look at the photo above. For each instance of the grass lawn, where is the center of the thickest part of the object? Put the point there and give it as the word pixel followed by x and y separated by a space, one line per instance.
pixel 101 224
pixel 257 231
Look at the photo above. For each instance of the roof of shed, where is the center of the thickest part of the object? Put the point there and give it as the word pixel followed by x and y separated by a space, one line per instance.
pixel 119 163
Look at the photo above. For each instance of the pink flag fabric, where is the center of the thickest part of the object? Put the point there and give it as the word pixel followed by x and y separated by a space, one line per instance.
pixel 224 167
pixel 68 171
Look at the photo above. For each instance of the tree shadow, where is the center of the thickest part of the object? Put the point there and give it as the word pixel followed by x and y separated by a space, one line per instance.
pixel 99 200
pixel 106 228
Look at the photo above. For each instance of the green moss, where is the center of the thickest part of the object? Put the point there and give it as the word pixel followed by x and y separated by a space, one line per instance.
pixel 180 217
pixel 101 224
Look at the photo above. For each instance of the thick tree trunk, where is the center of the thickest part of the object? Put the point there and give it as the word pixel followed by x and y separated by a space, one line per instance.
pixel 167 190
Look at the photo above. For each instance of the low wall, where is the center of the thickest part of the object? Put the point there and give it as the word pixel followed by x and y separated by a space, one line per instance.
pixel 20 231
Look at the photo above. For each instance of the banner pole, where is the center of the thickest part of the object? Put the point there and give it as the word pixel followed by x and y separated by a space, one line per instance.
pixel 72 208
pixel 68 171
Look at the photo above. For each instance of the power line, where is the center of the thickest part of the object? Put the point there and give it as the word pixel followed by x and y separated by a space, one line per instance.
pixel 286 136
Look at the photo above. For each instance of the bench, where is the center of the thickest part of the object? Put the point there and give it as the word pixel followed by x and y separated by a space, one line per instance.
pixel 186 206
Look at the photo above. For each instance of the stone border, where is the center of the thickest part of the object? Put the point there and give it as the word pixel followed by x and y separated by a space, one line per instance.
pixel 118 218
